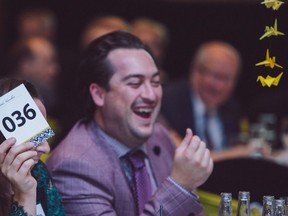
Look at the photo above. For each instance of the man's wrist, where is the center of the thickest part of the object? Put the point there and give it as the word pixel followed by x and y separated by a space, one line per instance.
pixel 184 190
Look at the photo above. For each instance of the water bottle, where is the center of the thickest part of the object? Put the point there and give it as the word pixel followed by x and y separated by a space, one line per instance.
pixel 243 208
pixel 225 207
pixel 268 206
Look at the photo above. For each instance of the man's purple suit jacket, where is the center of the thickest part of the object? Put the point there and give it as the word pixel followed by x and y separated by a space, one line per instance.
pixel 88 175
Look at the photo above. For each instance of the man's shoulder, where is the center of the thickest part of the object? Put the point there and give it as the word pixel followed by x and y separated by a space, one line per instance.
pixel 160 136
pixel 78 133
pixel 80 143
pixel 231 107
pixel 159 130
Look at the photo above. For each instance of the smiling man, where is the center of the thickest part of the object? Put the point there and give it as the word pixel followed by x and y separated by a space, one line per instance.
pixel 119 161
pixel 204 102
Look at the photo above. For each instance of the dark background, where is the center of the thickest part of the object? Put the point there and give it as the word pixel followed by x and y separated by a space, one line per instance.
pixel 190 23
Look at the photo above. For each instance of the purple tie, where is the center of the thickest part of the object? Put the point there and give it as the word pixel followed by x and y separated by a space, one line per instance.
pixel 141 179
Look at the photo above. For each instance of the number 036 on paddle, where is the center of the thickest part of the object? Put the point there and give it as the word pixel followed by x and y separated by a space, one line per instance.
pixel 21 118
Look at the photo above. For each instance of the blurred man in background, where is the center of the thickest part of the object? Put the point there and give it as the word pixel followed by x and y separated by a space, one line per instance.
pixel 204 101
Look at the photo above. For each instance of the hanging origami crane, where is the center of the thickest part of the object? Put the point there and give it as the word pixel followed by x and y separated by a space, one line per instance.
pixel 269 62
pixel 269 31
pixel 274 4
pixel 269 81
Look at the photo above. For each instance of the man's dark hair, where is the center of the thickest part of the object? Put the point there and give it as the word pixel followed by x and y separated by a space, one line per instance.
pixel 94 66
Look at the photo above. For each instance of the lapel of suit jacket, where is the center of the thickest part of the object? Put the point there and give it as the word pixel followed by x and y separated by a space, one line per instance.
pixel 114 162
pixel 157 154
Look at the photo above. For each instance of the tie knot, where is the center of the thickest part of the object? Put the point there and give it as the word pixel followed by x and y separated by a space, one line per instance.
pixel 137 159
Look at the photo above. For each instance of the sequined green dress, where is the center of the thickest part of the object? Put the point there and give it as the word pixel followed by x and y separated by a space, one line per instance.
pixel 47 194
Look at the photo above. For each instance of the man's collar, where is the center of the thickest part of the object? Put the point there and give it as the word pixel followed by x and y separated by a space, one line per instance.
pixel 119 148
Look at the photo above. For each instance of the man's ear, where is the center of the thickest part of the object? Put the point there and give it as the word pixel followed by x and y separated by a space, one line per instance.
pixel 97 94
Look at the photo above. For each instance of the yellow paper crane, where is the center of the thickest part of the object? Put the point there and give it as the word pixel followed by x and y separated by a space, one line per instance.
pixel 269 62
pixel 269 31
pixel 274 4
pixel 269 81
